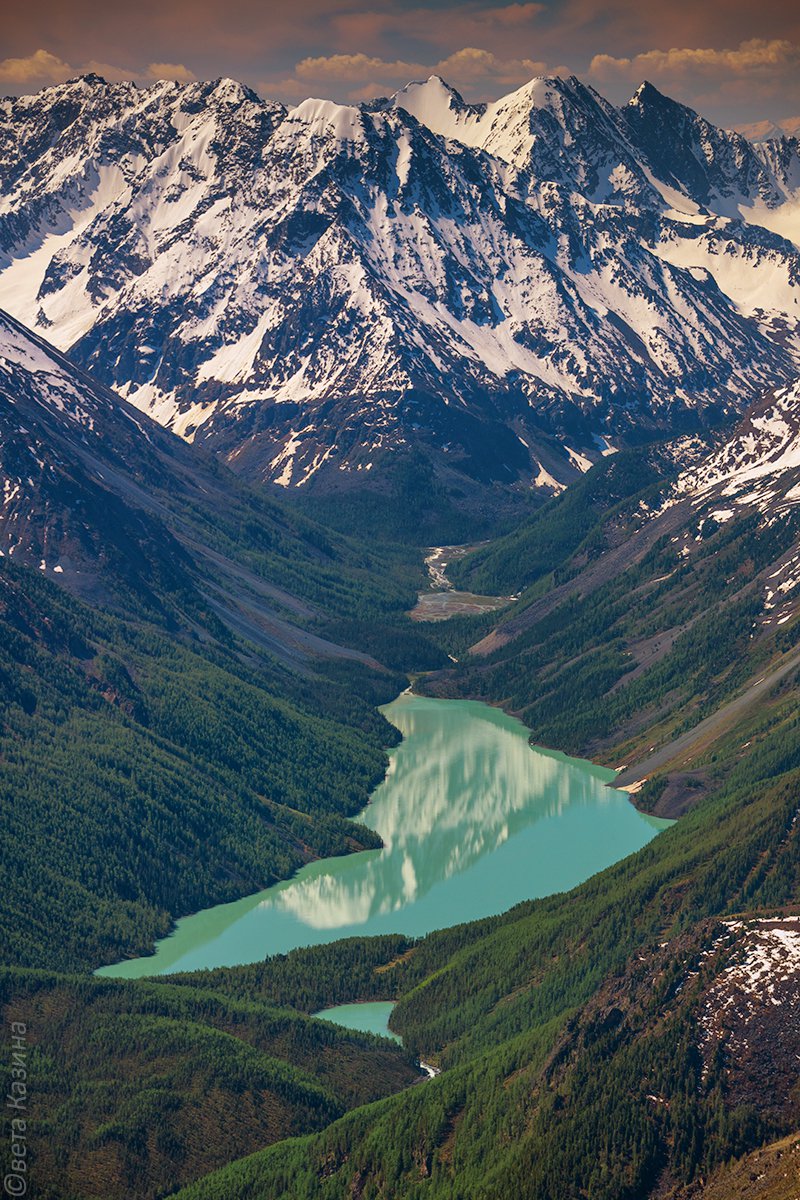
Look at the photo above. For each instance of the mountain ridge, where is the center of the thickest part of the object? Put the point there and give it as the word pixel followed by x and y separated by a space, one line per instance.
pixel 294 287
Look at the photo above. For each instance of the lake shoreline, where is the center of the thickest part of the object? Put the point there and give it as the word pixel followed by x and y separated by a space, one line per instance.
pixel 614 783
pixel 442 600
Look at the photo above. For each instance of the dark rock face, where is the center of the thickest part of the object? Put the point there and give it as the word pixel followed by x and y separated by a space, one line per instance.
pixel 317 293
pixel 750 1017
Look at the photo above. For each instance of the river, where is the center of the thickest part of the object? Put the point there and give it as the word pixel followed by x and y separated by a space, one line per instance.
pixel 442 601
pixel 473 821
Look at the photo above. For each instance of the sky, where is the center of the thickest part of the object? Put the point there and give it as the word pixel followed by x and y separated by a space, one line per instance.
pixel 733 60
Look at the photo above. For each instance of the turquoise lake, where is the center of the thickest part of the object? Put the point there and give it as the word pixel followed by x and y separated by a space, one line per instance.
pixel 370 1017
pixel 473 821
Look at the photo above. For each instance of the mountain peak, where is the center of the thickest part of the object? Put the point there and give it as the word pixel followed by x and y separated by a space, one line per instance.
pixel 344 121
pixel 90 79
pixel 437 81
pixel 770 131
pixel 231 91
pixel 649 106
pixel 314 292
pixel 434 103
pixel 648 98
pixel 439 107
pixel 646 91
pixel 502 127
pixel 712 166
pixel 433 85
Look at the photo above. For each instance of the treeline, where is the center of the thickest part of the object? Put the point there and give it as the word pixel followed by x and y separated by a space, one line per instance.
pixel 401 645
pixel 310 979
pixel 414 506
pixel 548 538
pixel 344 572
pixel 572 674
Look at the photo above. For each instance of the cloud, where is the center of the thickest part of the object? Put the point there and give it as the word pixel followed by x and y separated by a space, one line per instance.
pixel 42 68
pixel 354 68
pixel 176 71
pixel 473 66
pixel 731 85
pixel 355 49
pixel 363 76
pixel 756 56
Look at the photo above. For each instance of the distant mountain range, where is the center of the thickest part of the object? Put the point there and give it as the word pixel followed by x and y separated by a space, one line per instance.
pixel 765 131
pixel 501 291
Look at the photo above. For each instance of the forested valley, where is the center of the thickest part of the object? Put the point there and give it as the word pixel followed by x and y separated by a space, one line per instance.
pixel 189 714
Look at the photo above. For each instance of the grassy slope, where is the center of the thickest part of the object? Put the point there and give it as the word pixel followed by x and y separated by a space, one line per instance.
pixel 182 729
pixel 187 713
pixel 771 1173
pixel 410 503
pixel 127 747
pixel 541 543
pixel 629 642
pixel 169 688
pixel 178 731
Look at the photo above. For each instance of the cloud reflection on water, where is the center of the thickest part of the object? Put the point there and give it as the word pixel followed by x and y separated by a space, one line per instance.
pixel 457 790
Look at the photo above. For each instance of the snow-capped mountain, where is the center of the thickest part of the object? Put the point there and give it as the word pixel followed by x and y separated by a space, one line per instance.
pixel 751 480
pixel 767 131
pixel 64 447
pixel 103 501
pixel 506 288
pixel 759 465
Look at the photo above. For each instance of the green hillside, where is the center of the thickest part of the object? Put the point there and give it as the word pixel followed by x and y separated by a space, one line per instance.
pixel 135 1088
pixel 570 1031
pixel 148 773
